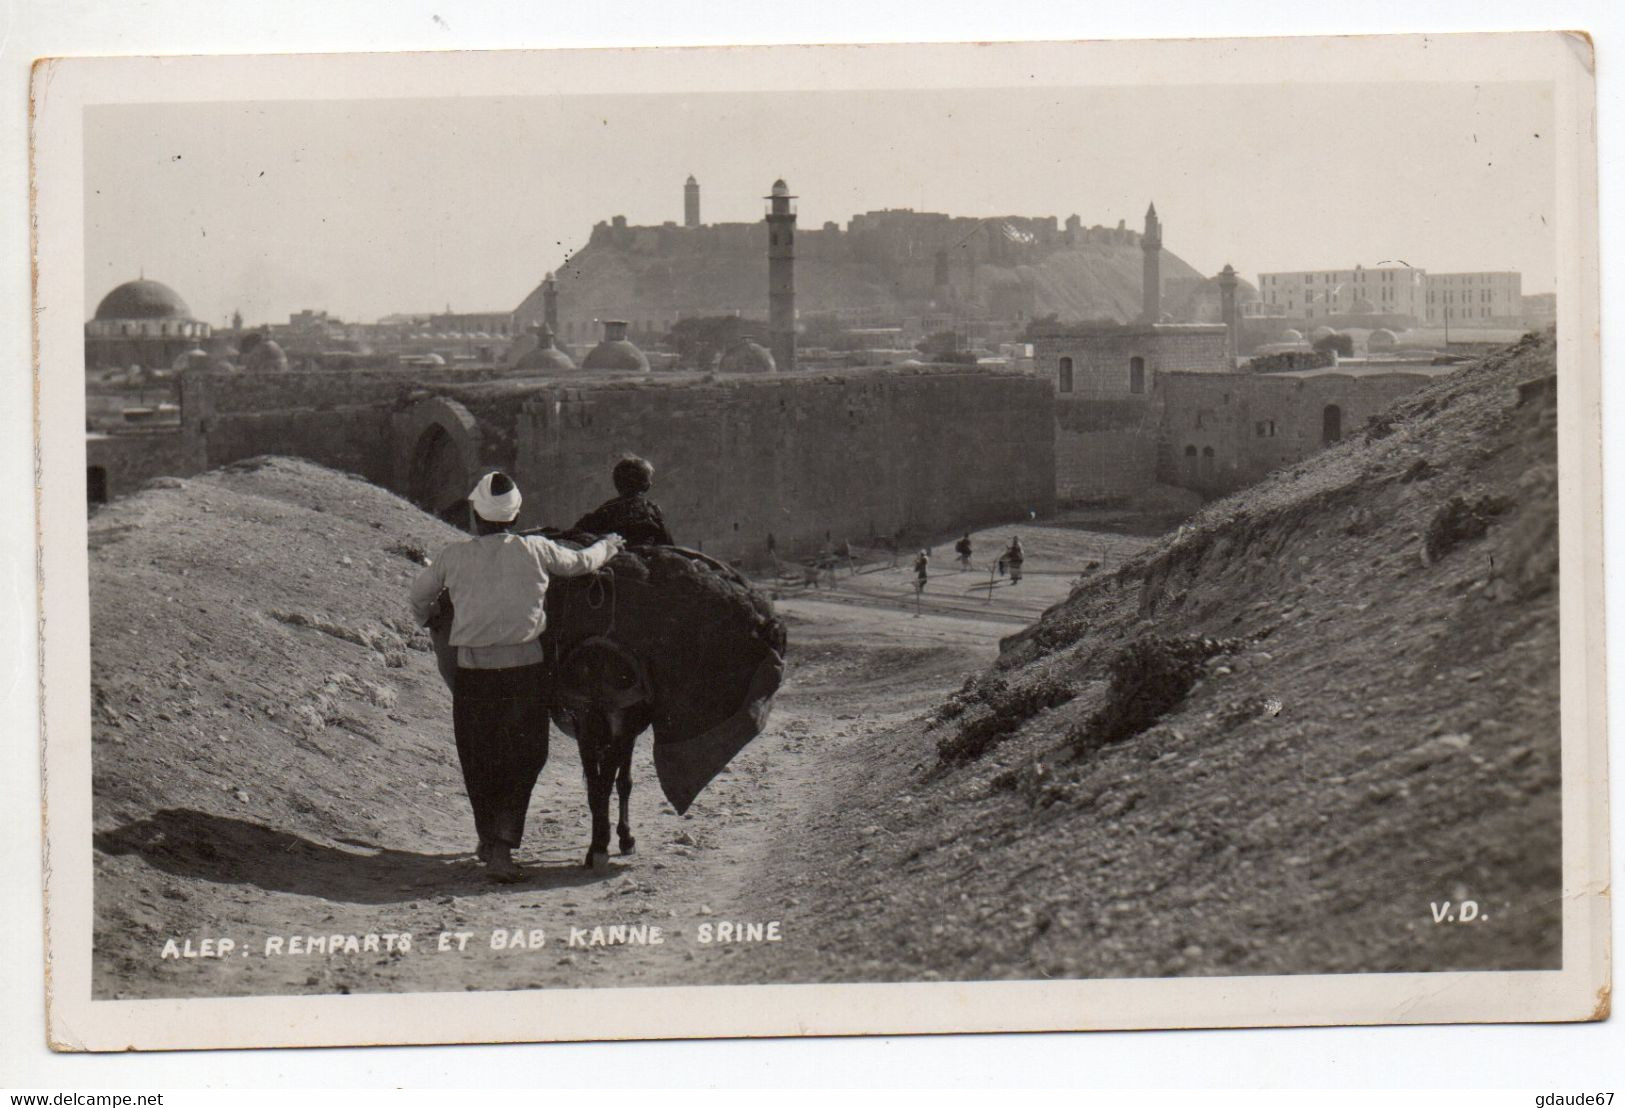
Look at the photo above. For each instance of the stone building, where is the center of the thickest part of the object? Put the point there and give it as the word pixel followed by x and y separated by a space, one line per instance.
pixel 1475 299
pixel 143 323
pixel 1222 432
pixel 1384 291
pixel 1108 410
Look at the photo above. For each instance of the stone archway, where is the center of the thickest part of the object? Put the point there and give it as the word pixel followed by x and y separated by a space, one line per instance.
pixel 437 450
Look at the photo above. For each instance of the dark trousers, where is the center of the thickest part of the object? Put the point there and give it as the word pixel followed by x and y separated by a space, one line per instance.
pixel 500 720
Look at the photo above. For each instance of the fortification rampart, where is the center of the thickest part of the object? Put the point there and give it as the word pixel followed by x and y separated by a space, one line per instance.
pixel 910 453
pixel 857 457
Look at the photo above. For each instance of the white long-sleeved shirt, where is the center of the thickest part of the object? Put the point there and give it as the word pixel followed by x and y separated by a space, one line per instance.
pixel 498 586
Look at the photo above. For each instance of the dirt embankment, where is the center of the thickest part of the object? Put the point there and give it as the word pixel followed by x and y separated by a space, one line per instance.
pixel 273 759
pixel 1341 711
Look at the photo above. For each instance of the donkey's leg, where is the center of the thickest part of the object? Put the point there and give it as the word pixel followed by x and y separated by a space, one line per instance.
pixel 623 785
pixel 592 738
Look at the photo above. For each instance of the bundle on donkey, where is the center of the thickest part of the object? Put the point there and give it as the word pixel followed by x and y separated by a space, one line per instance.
pixel 660 637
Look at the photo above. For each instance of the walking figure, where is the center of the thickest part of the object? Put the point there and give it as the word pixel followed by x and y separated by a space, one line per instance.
pixel 963 549
pixel 1013 557
pixel 922 565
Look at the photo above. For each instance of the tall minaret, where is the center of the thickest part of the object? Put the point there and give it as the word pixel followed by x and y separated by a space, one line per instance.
pixel 691 202
pixel 781 275
pixel 1227 307
pixel 550 303
pixel 1151 288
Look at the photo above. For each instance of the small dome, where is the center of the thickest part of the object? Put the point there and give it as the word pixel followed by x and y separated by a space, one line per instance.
pixel 542 356
pixel 615 352
pixel 266 356
pixel 195 358
pixel 143 299
pixel 1290 335
pixel 545 359
pixel 1381 337
pixel 433 359
pixel 1320 333
pixel 780 188
pixel 745 356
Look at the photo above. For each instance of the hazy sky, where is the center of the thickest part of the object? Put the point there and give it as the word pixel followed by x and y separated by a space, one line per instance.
pixel 370 207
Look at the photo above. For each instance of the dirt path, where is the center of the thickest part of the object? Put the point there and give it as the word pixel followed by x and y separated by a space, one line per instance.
pixel 323 911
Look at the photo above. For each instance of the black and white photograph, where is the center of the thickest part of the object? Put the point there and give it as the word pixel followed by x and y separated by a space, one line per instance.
pixel 1023 537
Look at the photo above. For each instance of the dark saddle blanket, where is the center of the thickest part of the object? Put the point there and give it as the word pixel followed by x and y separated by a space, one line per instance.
pixel 709 648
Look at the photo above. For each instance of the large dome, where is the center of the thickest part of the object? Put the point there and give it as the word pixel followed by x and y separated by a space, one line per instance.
pixel 142 299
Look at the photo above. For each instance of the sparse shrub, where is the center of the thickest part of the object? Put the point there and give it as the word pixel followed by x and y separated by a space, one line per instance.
pixel 411 551
pixel 1379 427
pixel 1343 344
pixel 1035 782
pixel 1461 521
pixel 1419 470
pixel 1002 713
pixel 1148 677
pixel 976 690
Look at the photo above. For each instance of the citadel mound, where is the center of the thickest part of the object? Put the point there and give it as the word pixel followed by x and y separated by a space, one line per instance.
pixel 891 264
pixel 1264 746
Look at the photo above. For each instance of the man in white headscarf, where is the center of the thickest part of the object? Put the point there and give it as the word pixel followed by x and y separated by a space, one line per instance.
pixel 498 586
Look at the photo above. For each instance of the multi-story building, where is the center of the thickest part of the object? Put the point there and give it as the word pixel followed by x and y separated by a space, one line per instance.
pixel 1323 293
pixel 1475 298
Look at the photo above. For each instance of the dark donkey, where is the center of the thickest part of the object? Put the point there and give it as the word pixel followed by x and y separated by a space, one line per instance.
pixel 603 697
pixel 661 636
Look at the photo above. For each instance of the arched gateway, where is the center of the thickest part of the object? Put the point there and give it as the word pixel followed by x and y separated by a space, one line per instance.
pixel 437 451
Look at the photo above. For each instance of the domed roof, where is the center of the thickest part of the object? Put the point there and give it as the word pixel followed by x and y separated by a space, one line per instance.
pixel 1290 335
pixel 615 352
pixel 1321 332
pixel 195 358
pixel 143 299
pixel 266 355
pixel 616 355
pixel 1382 336
pixel 545 359
pixel 780 188
pixel 747 357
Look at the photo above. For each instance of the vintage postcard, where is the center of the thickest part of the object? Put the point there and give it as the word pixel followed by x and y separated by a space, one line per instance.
pixel 820 540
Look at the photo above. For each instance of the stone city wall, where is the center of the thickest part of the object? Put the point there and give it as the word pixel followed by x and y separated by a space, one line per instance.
pixel 858 456
pixel 119 464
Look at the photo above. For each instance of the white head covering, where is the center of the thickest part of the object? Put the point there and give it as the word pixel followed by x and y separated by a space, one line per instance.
pixel 489 506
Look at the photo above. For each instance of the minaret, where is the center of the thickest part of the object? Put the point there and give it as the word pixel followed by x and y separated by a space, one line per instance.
pixel 781 275
pixel 1151 287
pixel 550 303
pixel 1227 308
pixel 691 202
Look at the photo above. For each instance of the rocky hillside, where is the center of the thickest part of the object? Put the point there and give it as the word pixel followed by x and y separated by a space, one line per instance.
pixel 1271 744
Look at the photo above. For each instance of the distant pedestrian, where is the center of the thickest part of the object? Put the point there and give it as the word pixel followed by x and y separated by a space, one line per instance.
pixel 1013 557
pixel 922 567
pixel 963 549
